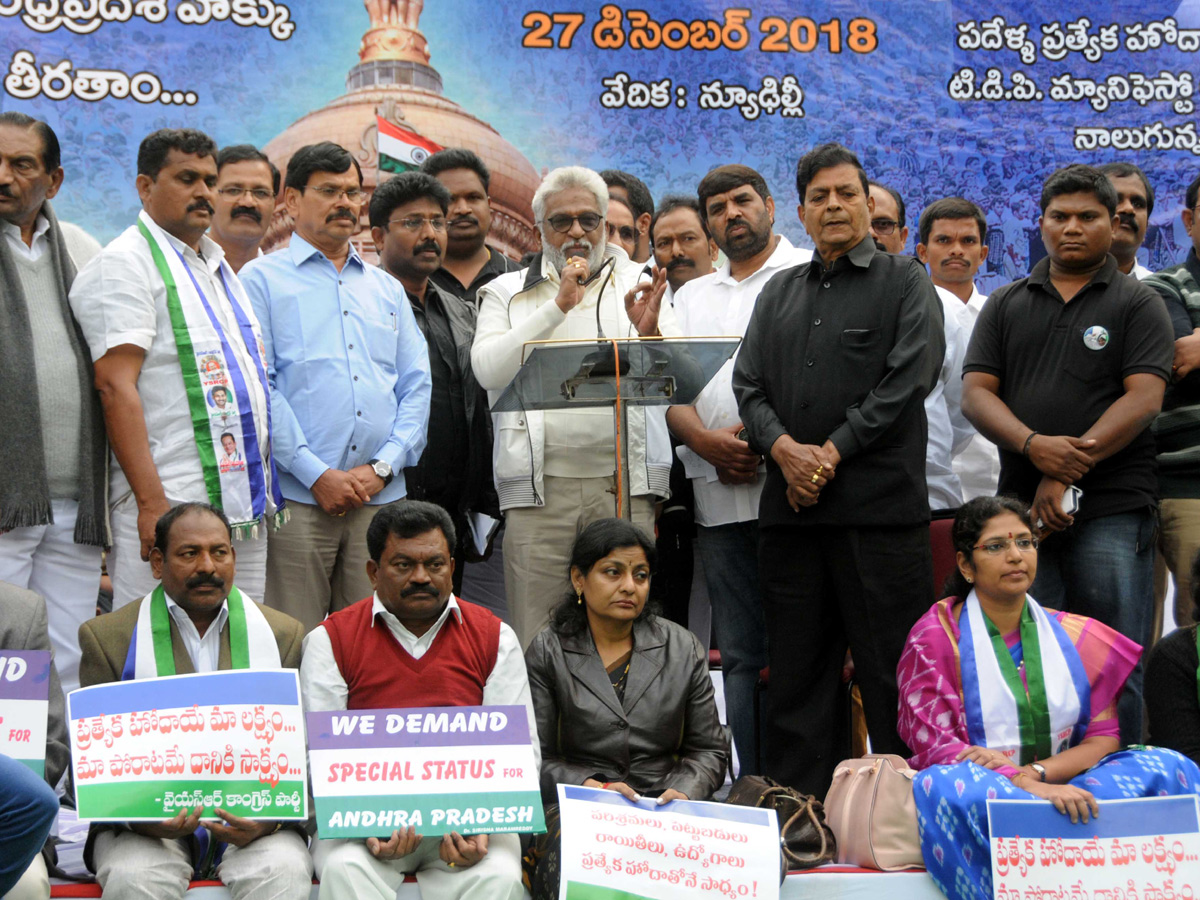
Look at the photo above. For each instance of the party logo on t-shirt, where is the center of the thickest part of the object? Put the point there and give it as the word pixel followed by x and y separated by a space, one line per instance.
pixel 1096 337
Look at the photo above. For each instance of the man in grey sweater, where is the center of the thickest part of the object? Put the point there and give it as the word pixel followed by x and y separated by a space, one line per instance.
pixel 53 510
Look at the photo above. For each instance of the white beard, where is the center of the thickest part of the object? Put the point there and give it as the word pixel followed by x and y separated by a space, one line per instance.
pixel 558 258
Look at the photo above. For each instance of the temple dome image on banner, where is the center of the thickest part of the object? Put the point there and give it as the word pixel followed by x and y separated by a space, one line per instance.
pixel 394 81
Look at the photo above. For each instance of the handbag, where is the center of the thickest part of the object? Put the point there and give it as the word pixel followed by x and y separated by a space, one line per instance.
pixel 805 840
pixel 871 809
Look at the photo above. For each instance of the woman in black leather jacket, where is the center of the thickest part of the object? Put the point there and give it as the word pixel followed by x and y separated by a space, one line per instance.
pixel 623 698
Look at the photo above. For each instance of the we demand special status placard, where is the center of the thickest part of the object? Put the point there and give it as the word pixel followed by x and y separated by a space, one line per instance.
pixel 469 769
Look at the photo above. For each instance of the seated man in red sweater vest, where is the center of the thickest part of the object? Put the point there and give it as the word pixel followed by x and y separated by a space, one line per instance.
pixel 413 644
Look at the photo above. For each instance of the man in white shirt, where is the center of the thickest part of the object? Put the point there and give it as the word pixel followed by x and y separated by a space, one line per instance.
pixel 247 184
pixel 632 191
pixel 952 243
pixel 53 511
pixel 621 230
pixel 680 242
pixel 414 644
pixel 1135 203
pixel 210 626
pixel 949 430
pixel 169 325
pixel 554 469
pixel 739 213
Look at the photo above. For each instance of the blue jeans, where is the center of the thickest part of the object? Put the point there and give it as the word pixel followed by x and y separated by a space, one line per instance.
pixel 729 554
pixel 1104 568
pixel 953 822
pixel 27 809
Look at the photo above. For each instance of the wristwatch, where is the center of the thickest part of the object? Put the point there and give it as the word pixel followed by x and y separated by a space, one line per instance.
pixel 1040 769
pixel 383 470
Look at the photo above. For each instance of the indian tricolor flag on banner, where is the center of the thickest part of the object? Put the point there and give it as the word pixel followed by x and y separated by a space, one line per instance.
pixel 401 150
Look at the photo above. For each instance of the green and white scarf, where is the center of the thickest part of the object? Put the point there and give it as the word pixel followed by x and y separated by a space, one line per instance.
pixel 1025 719
pixel 252 644
pixel 216 363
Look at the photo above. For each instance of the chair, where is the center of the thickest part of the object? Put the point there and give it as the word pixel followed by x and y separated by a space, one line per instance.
pixel 944 557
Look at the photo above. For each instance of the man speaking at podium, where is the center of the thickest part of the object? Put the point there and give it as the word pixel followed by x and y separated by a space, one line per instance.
pixel 554 470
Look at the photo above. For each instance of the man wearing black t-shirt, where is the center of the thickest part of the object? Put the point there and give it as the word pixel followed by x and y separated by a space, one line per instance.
pixel 1064 373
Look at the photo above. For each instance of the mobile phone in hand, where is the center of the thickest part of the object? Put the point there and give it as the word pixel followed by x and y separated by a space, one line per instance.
pixel 1070 505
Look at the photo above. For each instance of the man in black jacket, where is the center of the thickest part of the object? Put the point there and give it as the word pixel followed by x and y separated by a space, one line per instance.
pixel 831 381
pixel 408 225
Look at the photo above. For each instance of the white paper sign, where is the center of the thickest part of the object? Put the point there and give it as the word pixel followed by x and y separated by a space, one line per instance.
pixel 1146 849
pixel 613 849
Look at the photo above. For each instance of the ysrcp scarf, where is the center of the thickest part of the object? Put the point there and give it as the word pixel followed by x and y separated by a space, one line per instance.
pixel 225 379
pixel 252 644
pixel 1028 719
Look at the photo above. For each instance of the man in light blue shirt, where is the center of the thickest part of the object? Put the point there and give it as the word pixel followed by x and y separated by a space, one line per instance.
pixel 349 372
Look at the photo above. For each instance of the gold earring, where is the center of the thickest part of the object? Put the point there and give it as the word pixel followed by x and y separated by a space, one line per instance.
pixel 579 598
pixel 970 580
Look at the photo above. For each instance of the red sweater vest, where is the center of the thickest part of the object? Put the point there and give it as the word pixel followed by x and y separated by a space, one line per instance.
pixel 381 674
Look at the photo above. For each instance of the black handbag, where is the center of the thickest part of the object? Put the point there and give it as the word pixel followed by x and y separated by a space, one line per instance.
pixel 805 840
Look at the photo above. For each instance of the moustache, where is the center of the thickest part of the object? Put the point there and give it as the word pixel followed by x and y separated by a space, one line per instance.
pixel 6 191
pixel 341 214
pixel 248 211
pixel 463 220
pixel 427 245
pixel 679 262
pixel 201 204
pixel 1128 220
pixel 427 589
pixel 204 579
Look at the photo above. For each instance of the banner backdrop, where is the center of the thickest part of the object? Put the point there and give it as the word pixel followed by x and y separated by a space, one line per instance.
pixel 938 97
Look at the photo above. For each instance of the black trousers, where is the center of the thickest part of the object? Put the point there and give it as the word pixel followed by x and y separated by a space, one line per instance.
pixel 825 588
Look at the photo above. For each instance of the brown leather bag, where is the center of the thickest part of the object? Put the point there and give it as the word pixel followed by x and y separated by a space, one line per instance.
pixel 873 813
pixel 805 840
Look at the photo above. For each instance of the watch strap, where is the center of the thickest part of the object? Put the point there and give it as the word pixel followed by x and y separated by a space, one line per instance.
pixel 387 479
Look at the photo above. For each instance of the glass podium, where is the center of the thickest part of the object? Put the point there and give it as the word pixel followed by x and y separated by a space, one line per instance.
pixel 615 373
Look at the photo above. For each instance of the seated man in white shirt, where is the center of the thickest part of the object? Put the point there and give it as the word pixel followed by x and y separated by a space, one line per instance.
pixel 414 644
pixel 952 242
pixel 211 624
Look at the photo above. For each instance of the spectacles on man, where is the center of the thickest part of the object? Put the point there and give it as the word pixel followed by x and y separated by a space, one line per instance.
pixel 416 223
pixel 883 226
pixel 329 192
pixel 625 231
pixel 260 195
pixel 1001 545
pixel 562 222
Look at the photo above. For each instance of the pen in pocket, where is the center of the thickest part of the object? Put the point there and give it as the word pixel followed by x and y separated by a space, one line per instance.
pixel 394 327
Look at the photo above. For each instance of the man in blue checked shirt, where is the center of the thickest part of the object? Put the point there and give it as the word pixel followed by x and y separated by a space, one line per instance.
pixel 349 372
